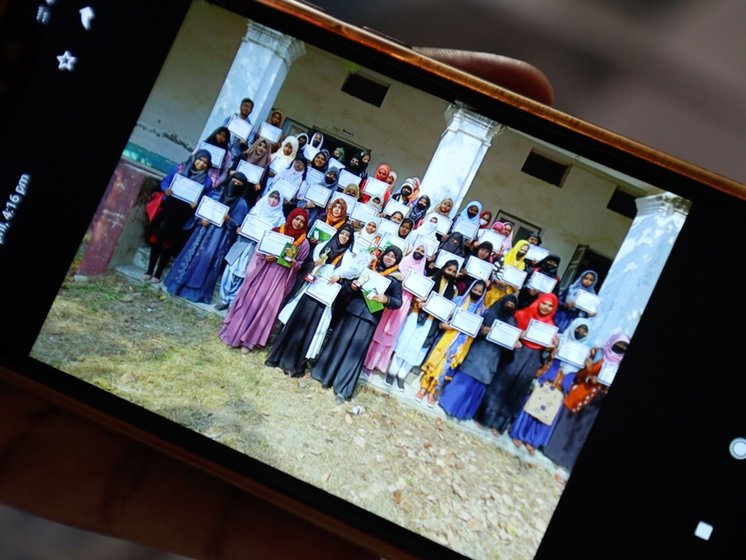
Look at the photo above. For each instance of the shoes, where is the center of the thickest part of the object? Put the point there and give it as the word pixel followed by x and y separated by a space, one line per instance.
pixel 340 399
pixel 420 394
pixel 244 350
pixel 367 372
pixel 222 306
pixel 155 280
pixel 400 384
pixel 147 276
pixel 389 380
pixel 430 400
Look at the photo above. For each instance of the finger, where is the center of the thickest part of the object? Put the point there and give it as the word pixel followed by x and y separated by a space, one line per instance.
pixel 51 462
pixel 515 75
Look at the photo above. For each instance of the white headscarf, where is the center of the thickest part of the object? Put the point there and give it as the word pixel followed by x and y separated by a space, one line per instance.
pixel 270 214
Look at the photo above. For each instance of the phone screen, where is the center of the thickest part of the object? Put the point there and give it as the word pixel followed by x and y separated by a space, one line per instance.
pixel 191 271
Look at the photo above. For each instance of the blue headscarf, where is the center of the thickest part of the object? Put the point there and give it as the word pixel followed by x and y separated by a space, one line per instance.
pixel 463 214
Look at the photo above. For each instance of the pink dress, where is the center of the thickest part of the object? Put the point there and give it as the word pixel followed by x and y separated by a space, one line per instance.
pixel 384 339
pixel 253 313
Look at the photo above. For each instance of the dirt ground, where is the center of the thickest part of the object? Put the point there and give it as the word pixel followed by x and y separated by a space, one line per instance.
pixel 399 461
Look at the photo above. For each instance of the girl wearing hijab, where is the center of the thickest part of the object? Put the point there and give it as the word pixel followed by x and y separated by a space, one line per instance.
pixel 357 165
pixel 391 180
pixel 339 154
pixel 419 209
pixel 567 311
pixel 313 146
pixel 427 228
pixel 450 345
pixel 382 173
pixel 330 182
pixel 341 359
pixel 454 244
pixel 471 211
pixel 548 267
pixel 403 194
pixel 320 162
pixel 420 329
pixel 507 231
pixel 307 319
pixel 513 258
pixel 283 156
pixel 294 174
pixel 220 138
pixel 526 429
pixel 196 268
pixel 268 210
pixel 352 190
pixel 582 403
pixel 484 219
pixel 462 396
pixel 165 233
pixel 384 338
pixel 257 154
pixel 250 318
pixel 512 381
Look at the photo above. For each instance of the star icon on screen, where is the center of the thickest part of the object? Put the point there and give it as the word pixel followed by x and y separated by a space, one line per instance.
pixel 67 61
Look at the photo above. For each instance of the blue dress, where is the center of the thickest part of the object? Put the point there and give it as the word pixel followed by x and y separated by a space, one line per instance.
pixel 195 271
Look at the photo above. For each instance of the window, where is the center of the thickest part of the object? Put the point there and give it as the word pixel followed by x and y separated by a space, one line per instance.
pixel 365 89
pixel 545 169
pixel 623 203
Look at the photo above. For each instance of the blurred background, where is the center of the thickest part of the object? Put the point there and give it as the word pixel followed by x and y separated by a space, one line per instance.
pixel 668 73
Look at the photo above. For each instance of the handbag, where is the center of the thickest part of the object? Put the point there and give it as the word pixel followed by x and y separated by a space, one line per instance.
pixel 544 403
pixel 153 206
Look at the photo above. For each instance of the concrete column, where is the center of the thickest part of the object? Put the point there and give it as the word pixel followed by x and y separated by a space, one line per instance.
pixel 258 71
pixel 459 154
pixel 638 264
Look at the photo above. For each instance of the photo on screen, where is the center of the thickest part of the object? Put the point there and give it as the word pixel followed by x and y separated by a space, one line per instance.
pixel 357 390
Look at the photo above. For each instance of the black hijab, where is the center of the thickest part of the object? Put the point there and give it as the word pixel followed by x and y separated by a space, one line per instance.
pixel 360 167
pixel 335 247
pixel 454 243
pixel 417 212
pixel 380 267
pixel 544 267
pixel 230 192
pixel 212 139
pixel 503 313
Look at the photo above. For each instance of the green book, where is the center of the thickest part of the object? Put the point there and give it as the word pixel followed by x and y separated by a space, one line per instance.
pixel 290 251
pixel 373 306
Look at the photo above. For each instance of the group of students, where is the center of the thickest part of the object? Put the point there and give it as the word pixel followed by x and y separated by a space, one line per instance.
pixel 365 332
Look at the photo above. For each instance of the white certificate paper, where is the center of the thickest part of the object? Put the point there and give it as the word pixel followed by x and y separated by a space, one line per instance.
pixel 504 334
pixel 212 211
pixel 607 374
pixel 588 302
pixel 396 206
pixel 286 188
pixel 349 200
pixel 431 244
pixel 270 132
pixel 573 352
pixel 512 276
pixel 346 179
pixel 324 291
pixel 273 243
pixel 536 253
pixel 318 195
pixel 239 127
pixel 466 322
pixel 388 240
pixel 541 282
pixel 540 333
pixel 493 237
pixel 252 172
pixel 444 256
pixel 466 228
pixel 444 224
pixel 314 177
pixel 387 227
pixel 438 306
pixel 374 187
pixel 361 245
pixel 254 228
pixel 371 281
pixel 336 164
pixel 418 285
pixel 185 189
pixel 216 154
pixel 477 268
pixel 365 213
pixel 321 231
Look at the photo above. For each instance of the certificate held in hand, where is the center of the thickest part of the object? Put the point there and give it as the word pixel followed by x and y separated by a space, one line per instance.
pixel 477 268
pixel 252 172
pixel 540 333
pixel 418 285
pixel 438 306
pixel 273 243
pixel 318 195
pixel 466 322
pixel 503 334
pixel 254 228
pixel 185 189
pixel 212 211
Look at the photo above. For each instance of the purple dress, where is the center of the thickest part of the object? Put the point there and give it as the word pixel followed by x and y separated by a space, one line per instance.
pixel 252 315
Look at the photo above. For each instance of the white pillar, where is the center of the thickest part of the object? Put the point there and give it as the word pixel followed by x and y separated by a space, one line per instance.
pixel 458 156
pixel 638 264
pixel 258 71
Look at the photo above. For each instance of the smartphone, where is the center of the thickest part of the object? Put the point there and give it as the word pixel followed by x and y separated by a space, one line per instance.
pixel 105 107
